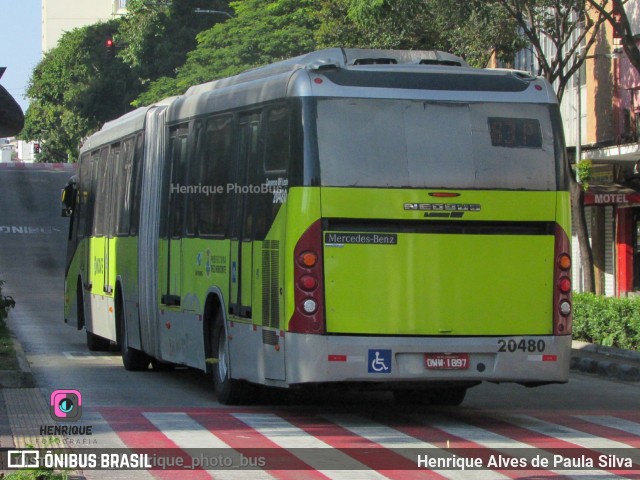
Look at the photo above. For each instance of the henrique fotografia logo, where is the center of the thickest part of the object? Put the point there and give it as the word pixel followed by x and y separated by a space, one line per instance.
pixel 66 405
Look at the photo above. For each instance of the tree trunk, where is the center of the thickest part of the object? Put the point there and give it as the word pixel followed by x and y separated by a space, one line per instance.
pixel 580 220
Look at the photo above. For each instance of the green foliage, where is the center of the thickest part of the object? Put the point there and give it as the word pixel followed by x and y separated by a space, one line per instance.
pixel 7 352
pixel 607 321
pixel 156 38
pixel 391 24
pixel 583 173
pixel 6 303
pixel 472 30
pixel 74 89
pixel 37 474
pixel 261 32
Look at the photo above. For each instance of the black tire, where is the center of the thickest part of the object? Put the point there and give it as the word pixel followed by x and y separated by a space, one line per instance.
pixel 96 343
pixel 160 366
pixel 446 397
pixel 229 391
pixel 132 359
pixel 80 306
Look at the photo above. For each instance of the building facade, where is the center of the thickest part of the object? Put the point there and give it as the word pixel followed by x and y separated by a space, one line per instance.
pixel 59 16
pixel 601 111
pixel 610 142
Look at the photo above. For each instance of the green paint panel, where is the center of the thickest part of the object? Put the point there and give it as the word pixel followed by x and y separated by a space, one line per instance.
pixel 390 204
pixel 434 282
pixel 430 284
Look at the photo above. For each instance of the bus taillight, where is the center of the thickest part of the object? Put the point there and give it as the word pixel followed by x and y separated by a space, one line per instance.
pixel 308 316
pixel 562 309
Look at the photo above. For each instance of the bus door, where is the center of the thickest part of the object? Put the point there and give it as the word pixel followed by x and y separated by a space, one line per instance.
pixel 170 275
pixel 99 254
pixel 242 229
pixel 113 164
pixel 91 193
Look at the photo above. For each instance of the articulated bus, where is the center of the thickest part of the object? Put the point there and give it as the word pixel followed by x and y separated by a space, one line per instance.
pixel 374 219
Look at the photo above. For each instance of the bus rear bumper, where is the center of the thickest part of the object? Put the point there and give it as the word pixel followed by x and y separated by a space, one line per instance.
pixel 530 360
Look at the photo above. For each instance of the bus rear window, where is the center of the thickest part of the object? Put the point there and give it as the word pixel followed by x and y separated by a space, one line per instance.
pixel 435 144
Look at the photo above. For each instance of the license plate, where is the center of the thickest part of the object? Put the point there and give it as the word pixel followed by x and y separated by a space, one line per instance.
pixel 446 361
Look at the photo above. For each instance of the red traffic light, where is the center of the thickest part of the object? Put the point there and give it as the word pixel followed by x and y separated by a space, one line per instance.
pixel 111 46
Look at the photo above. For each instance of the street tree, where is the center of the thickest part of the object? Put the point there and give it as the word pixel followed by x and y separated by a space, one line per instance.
pixel 155 37
pixel 74 89
pixel 474 30
pixel 616 15
pixel 260 32
pixel 571 26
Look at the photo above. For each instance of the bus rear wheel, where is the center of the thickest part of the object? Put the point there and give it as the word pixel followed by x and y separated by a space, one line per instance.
pixel 132 359
pixel 446 397
pixel 95 343
pixel 229 391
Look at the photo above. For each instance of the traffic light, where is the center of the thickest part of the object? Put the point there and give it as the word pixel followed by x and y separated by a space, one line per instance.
pixel 36 148
pixel 110 46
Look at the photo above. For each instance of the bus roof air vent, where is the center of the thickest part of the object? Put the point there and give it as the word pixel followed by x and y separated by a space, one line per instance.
pixel 323 65
pixel 438 61
pixel 527 77
pixel 374 61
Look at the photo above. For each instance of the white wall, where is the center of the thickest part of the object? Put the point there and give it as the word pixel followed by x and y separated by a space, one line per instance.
pixel 59 16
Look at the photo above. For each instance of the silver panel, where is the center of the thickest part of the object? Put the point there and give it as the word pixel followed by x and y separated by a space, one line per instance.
pixel 308 359
pixel 102 321
pixel 153 159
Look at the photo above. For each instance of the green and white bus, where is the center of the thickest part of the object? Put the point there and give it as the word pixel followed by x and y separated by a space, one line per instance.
pixel 384 219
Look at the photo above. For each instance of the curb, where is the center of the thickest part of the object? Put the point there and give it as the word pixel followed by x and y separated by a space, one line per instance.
pixel 22 378
pixel 604 361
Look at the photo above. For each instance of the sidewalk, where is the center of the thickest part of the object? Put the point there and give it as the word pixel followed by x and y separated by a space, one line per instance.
pixel 606 361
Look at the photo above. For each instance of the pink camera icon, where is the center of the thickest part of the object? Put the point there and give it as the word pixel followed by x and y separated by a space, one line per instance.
pixel 66 405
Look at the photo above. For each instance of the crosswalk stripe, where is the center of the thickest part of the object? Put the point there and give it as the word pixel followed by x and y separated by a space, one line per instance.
pixel 104 437
pixel 567 434
pixel 487 438
pixel 395 440
pixel 373 455
pixel 614 422
pixel 240 436
pixel 136 431
pixel 189 435
pixel 562 432
pixel 351 446
pixel 602 426
pixel 288 436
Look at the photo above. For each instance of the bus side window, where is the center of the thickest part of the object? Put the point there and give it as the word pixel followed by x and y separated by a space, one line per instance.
pixel 272 170
pixel 124 188
pixel 136 183
pixel 102 196
pixel 194 196
pixel 84 187
pixel 277 141
pixel 92 192
pixel 176 168
pixel 213 165
pixel 115 180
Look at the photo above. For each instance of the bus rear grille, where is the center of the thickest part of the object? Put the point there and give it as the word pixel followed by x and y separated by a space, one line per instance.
pixel 270 283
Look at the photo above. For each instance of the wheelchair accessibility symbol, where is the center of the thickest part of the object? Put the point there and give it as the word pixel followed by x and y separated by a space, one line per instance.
pixel 379 361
